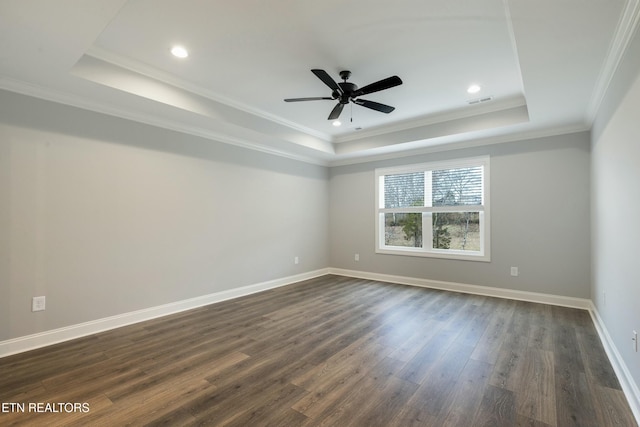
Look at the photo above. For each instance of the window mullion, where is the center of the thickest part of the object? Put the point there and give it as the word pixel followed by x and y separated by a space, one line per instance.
pixel 427 229
pixel 457 208
pixel 427 209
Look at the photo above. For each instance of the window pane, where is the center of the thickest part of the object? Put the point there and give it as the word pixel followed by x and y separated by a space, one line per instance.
pixel 403 229
pixel 461 186
pixel 456 230
pixel 404 190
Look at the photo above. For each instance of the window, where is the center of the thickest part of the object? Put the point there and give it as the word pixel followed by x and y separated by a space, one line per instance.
pixel 434 210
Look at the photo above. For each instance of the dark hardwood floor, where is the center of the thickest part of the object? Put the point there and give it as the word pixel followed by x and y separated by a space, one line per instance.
pixel 331 351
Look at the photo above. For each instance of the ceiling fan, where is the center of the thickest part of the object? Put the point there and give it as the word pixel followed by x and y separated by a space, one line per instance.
pixel 346 92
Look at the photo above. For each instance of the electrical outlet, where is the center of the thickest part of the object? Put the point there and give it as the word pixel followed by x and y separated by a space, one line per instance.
pixel 514 271
pixel 635 341
pixel 357 257
pixel 296 260
pixel 38 303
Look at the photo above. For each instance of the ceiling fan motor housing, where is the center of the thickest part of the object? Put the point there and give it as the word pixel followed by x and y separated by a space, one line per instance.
pixel 347 91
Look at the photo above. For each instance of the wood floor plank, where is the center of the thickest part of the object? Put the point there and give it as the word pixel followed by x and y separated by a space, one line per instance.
pixel 410 416
pixel 331 351
pixel 362 354
pixel 522 421
pixel 467 396
pixel 191 368
pixel 509 361
pixel 610 409
pixel 373 400
pixel 401 297
pixel 497 408
pixel 474 329
pixel 330 381
pixel 488 347
pixel 595 360
pixel 438 386
pixel 535 394
pixel 58 418
pixel 14 377
pixel 408 349
pixel 418 368
pixel 391 397
pixel 269 409
pixel 574 402
pixel 156 402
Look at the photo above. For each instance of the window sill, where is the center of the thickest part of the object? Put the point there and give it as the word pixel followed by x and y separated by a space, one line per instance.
pixel 452 255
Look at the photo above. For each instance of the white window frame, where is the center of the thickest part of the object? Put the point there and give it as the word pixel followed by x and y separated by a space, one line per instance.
pixel 427 251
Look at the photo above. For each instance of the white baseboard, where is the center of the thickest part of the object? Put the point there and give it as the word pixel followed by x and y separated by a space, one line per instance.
pixel 43 339
pixel 469 289
pixel 629 387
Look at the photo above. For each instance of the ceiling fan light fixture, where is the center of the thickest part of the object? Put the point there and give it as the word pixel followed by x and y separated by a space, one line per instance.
pixel 474 88
pixel 179 52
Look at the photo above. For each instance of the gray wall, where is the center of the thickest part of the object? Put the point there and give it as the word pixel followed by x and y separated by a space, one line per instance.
pixel 616 204
pixel 106 216
pixel 539 219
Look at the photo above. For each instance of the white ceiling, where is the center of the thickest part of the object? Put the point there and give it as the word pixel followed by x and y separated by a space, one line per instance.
pixel 545 64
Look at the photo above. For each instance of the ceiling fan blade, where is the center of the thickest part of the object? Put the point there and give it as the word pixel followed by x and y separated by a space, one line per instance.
pixel 326 79
pixel 317 98
pixel 374 105
pixel 335 113
pixel 383 84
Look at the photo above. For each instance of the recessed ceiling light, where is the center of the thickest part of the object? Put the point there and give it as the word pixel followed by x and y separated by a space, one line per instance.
pixel 179 52
pixel 474 89
pixel 336 123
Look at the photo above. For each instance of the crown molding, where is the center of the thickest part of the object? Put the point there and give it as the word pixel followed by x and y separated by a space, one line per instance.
pixel 625 30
